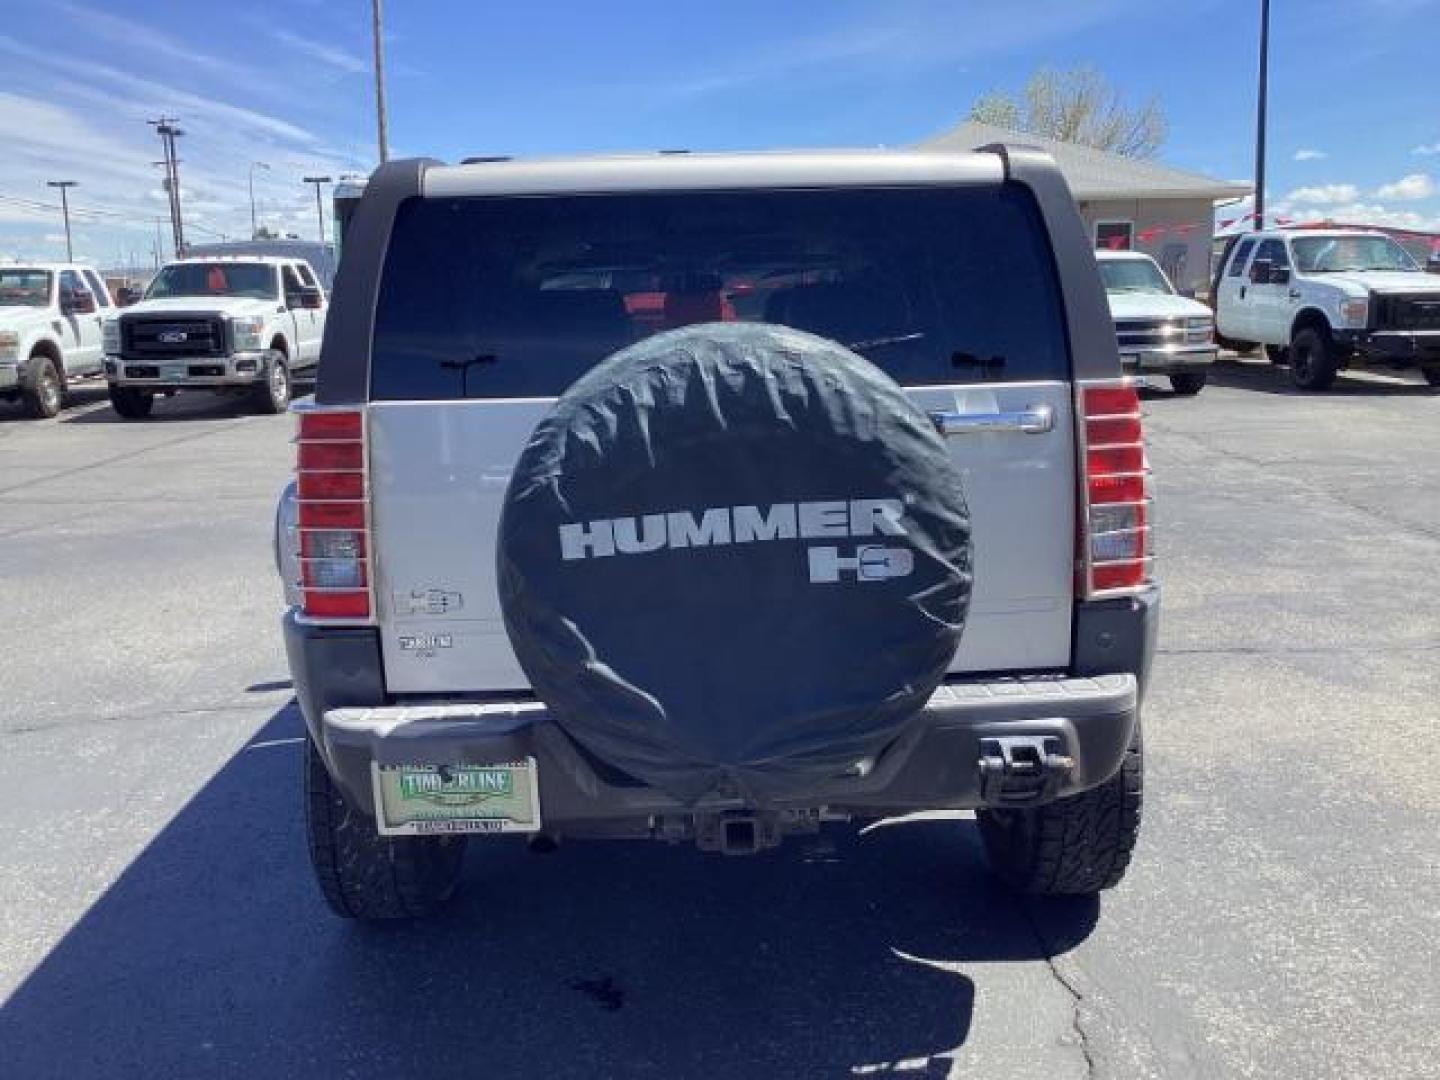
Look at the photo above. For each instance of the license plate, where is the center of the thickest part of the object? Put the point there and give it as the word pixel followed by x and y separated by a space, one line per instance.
pixel 174 371
pixel 412 800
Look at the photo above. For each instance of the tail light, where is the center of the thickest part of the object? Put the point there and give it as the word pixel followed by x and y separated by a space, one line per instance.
pixel 334 552
pixel 1114 555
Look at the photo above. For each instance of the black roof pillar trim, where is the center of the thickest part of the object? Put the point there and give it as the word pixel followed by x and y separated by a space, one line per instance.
pixel 344 374
pixel 1094 352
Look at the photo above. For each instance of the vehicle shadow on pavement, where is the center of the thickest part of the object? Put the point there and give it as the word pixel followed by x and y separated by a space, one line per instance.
pixel 180 408
pixel 1270 378
pixel 212 955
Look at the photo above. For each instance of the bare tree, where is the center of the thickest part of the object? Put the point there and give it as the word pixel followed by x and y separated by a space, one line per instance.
pixel 1078 106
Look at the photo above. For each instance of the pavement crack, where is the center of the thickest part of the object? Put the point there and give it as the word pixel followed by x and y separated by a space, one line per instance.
pixel 1077 998
pixel 90 466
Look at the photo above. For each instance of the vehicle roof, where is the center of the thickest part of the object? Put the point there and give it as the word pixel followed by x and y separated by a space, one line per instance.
pixel 684 171
pixel 21 264
pixel 274 260
pixel 1298 233
pixel 1106 255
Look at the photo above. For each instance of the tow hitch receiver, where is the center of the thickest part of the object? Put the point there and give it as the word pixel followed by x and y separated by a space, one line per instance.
pixel 1022 768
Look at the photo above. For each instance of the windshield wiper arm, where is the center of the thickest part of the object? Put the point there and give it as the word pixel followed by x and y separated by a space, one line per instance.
pixel 464 366
pixel 875 343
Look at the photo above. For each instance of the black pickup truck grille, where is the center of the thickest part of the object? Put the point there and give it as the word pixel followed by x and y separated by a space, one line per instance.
pixel 1412 312
pixel 153 336
pixel 1135 332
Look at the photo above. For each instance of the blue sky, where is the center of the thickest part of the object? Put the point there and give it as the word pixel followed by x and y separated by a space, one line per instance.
pixel 1355 127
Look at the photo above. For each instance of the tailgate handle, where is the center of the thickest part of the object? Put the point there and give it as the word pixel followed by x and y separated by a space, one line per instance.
pixel 1035 421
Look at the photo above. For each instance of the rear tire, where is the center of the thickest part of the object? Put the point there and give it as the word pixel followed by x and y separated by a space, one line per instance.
pixel 1188 383
pixel 1078 845
pixel 1313 364
pixel 131 404
pixel 45 399
pixel 271 394
pixel 363 875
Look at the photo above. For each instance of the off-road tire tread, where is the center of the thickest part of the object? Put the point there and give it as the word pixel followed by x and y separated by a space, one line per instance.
pixel 363 875
pixel 1074 846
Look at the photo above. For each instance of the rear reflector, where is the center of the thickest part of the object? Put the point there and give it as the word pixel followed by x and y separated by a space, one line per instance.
pixel 352 604
pixel 1113 546
pixel 334 553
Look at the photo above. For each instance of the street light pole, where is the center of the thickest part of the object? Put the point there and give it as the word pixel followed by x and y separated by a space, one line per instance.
pixel 1260 114
pixel 319 208
pixel 64 186
pixel 381 124
pixel 253 166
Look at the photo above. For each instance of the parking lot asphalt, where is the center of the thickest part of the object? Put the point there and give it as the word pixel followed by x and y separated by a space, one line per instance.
pixel 157 916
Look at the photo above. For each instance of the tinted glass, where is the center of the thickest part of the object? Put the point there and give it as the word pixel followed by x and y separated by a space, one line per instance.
pixel 1274 250
pixel 1242 252
pixel 517 297
pixel 255 280
pixel 22 287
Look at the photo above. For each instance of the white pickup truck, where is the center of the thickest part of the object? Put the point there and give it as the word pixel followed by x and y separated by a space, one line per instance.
pixel 50 317
pixel 1323 300
pixel 1160 332
pixel 250 326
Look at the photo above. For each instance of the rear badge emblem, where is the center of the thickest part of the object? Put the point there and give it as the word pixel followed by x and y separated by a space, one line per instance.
pixel 428 602
pixel 172 337
pixel 425 644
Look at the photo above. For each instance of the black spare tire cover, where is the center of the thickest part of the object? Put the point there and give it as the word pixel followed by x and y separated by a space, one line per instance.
pixel 734 559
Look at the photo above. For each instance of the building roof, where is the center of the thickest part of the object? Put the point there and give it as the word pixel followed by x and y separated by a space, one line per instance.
pixel 1095 174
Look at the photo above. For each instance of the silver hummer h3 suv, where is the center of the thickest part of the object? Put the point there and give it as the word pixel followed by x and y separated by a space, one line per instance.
pixel 715 498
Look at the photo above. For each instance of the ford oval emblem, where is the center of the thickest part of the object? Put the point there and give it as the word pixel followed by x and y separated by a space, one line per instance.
pixel 171 337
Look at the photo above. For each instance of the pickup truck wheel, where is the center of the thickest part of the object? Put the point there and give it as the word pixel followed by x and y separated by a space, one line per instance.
pixel 1187 383
pixel 364 875
pixel 131 404
pixel 272 394
pixel 44 399
pixel 1072 846
pixel 1312 360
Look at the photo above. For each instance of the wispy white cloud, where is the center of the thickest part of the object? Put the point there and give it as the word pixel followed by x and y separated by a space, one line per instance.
pixel 337 58
pixel 1410 188
pixel 1429 149
pixel 139 39
pixel 1305 154
pixel 1324 194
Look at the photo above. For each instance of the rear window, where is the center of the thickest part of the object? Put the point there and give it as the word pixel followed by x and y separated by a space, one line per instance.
pixel 519 296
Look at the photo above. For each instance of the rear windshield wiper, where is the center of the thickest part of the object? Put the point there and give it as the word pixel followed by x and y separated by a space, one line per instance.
pixel 878 342
pixel 464 366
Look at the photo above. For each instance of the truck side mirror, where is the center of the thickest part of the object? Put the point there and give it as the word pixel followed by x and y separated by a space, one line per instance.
pixel 307 298
pixel 1260 272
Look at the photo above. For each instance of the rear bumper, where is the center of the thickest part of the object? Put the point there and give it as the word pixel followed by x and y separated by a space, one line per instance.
pixel 935 764
pixel 1168 359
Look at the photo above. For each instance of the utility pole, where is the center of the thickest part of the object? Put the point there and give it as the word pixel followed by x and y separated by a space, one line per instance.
pixel 253 166
pixel 1260 114
pixel 319 209
pixel 166 128
pixel 381 124
pixel 64 186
